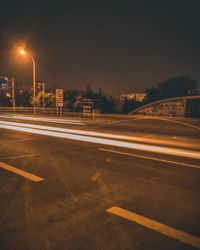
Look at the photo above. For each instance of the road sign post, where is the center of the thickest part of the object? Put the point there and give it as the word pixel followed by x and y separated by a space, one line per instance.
pixel 3 82
pixel 87 107
pixel 59 100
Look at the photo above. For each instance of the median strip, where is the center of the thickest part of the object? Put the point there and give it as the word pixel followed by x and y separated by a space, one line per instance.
pixel 156 226
pixel 21 172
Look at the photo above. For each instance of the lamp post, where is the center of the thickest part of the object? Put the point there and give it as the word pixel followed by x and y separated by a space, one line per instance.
pixel 22 52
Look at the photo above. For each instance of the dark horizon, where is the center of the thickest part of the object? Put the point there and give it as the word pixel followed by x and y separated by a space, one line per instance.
pixel 125 45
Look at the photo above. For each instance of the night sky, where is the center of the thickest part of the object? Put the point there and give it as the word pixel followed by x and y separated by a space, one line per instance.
pixel 126 45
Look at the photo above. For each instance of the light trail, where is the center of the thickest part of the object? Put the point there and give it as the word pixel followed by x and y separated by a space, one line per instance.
pixel 74 122
pixel 115 143
pixel 105 135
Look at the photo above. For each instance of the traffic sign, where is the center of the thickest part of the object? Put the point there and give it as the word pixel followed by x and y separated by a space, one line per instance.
pixel 3 82
pixel 87 106
pixel 59 97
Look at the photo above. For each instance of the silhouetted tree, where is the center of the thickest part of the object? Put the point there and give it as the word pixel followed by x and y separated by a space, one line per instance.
pixel 176 86
pixel 100 92
pixel 49 99
pixel 4 99
pixel 129 105
pixel 70 98
pixel 152 95
pixel 23 98
pixel 89 93
pixel 107 105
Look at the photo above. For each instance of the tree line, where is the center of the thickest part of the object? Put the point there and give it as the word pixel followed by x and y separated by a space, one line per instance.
pixel 72 99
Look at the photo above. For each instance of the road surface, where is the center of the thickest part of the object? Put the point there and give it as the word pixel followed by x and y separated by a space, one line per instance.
pixel 70 184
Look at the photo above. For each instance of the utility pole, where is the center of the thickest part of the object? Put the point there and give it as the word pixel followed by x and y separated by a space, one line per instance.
pixel 22 52
pixel 13 93
pixel 43 84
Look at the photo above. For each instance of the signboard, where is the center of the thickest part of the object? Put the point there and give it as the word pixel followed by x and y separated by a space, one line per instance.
pixel 3 82
pixel 59 97
pixel 87 106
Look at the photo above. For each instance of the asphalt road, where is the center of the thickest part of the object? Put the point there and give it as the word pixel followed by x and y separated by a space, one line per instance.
pixel 129 186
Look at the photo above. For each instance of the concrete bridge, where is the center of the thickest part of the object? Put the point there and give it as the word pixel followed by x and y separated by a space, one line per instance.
pixel 185 106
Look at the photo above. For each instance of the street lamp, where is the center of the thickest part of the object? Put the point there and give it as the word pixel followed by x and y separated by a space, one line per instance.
pixel 22 52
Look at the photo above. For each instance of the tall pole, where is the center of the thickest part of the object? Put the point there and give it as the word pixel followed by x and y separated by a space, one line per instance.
pixel 13 93
pixel 43 94
pixel 33 82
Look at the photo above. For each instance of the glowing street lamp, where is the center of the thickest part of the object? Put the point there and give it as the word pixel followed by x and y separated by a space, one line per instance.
pixel 22 52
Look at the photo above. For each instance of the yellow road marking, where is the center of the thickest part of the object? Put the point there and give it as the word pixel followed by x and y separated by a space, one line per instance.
pixel 149 158
pixel 21 172
pixel 156 226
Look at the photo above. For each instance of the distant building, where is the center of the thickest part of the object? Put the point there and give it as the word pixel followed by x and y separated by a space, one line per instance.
pixel 136 96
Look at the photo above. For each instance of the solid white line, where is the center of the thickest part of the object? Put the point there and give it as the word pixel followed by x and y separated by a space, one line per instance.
pixel 148 148
pixel 156 226
pixel 149 158
pixel 21 172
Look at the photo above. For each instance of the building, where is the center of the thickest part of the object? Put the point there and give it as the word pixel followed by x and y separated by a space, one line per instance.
pixel 139 97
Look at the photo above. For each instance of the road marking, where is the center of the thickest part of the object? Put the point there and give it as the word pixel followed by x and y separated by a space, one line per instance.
pixel 149 158
pixel 156 226
pixel 21 172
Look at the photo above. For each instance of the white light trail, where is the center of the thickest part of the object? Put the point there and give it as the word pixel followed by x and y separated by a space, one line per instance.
pixel 74 122
pixel 105 135
pixel 115 143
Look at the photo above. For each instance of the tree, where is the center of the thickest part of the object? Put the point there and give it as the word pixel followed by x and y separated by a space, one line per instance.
pixel 49 99
pixel 129 105
pixel 5 99
pixel 107 105
pixel 152 95
pixel 70 98
pixel 23 98
pixel 176 86
pixel 89 93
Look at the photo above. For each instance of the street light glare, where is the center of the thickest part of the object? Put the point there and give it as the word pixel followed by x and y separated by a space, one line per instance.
pixel 22 52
